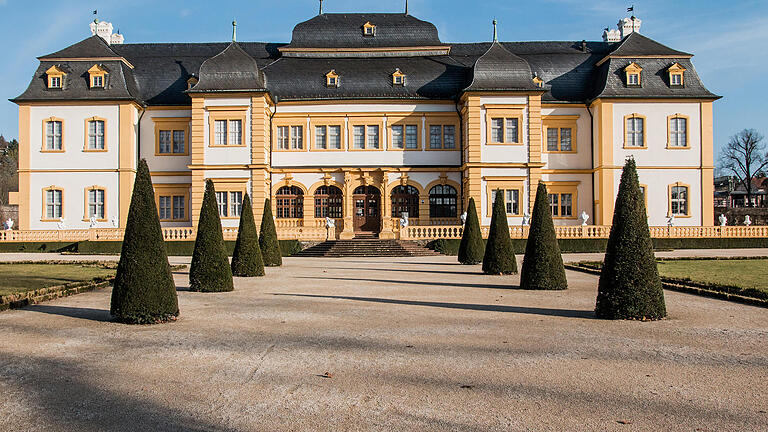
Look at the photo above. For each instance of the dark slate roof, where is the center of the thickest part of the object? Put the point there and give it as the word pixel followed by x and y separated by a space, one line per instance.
pixel 498 69
pixel 120 84
pixel 93 46
pixel 654 79
pixel 345 31
pixel 231 70
pixel 638 45
pixel 426 78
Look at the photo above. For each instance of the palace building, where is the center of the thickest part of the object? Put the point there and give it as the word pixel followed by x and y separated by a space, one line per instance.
pixel 362 118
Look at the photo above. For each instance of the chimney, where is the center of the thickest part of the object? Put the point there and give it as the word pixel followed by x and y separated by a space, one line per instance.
pixel 583 46
pixel 103 30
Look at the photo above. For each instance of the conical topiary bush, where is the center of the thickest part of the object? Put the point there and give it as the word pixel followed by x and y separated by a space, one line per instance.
pixel 471 248
pixel 543 265
pixel 629 286
pixel 270 247
pixel 210 271
pixel 246 259
pixel 499 255
pixel 144 291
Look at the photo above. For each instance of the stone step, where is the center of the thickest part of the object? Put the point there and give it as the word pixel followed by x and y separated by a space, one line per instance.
pixel 366 248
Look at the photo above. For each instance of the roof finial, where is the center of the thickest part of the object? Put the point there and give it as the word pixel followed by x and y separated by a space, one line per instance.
pixel 406 7
pixel 495 35
pixel 321 7
pixel 234 31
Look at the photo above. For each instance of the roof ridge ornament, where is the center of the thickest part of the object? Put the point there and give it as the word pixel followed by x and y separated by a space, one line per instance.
pixel 234 31
pixel 321 8
pixel 495 34
pixel 406 7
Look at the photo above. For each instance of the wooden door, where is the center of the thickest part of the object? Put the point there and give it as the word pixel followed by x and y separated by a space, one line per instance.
pixel 367 216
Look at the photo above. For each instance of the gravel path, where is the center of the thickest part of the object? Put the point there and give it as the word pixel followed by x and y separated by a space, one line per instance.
pixel 387 344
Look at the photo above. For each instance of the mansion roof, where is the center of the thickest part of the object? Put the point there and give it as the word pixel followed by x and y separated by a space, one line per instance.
pixel 158 73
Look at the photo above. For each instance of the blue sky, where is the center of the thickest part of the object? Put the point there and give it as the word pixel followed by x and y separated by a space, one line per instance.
pixel 729 38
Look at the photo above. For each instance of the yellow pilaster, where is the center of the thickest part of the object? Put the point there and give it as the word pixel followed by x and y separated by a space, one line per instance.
pixel 605 162
pixel 260 189
pixel 473 144
pixel 707 165
pixel 534 147
pixel 197 152
pixel 25 149
pixel 348 231
pixel 127 160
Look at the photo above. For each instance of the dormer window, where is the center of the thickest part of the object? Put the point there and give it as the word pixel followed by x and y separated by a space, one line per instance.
pixel 369 29
pixel 98 76
pixel 398 78
pixel 332 79
pixel 676 75
pixel 538 82
pixel 55 77
pixel 633 75
pixel 191 82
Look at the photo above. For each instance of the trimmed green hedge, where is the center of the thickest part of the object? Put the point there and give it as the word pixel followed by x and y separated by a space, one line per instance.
pixel 174 248
pixel 451 246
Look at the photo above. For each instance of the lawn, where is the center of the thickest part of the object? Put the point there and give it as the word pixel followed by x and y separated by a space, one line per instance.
pixel 15 278
pixel 744 273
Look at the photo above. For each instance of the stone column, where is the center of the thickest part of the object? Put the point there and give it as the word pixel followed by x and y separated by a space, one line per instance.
pixel 348 231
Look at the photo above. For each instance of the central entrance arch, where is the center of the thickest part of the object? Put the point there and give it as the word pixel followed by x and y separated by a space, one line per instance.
pixel 367 216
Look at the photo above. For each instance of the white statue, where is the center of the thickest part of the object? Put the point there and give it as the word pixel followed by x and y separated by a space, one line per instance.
pixel 92 222
pixel 526 219
pixel 671 220
pixel 330 227
pixel 60 224
pixel 9 224
pixel 404 219
pixel 584 218
pixel 464 218
pixel 723 220
pixel 747 220
pixel 330 222
pixel 114 222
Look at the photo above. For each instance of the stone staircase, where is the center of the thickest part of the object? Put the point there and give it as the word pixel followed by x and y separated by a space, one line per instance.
pixel 366 248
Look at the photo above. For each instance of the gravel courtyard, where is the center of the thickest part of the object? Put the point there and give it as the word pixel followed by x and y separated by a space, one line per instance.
pixel 384 344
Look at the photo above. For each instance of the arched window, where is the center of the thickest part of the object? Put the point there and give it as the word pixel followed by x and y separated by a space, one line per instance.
pixel 442 202
pixel 290 202
pixel 328 202
pixel 405 199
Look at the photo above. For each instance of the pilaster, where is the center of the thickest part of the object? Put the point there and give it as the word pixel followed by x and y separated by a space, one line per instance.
pixel 197 152
pixel 605 162
pixel 707 166
pixel 25 148
pixel 534 147
pixel 127 160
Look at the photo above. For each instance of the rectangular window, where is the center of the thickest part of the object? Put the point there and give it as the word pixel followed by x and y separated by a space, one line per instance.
pixel 179 204
pixel 553 204
pixel 334 137
pixel 359 139
pixel 179 142
pixel 98 81
pixel 561 204
pixel 678 129
pixel 283 138
pixel 96 135
pixel 676 79
pixel 236 203
pixel 398 141
pixel 512 129
pixel 633 79
pixel 373 137
pixel 411 137
pixel 321 139
pixel 297 137
pixel 164 207
pixel 53 204
pixel 565 139
pixel 449 137
pixel 435 137
pixel 165 142
pixel 223 203
pixel 552 139
pixel 679 200
pixel 497 130
pixel 53 135
pixel 635 132
pixel 220 127
pixel 512 201
pixel 235 132
pixel 96 203
pixel 55 82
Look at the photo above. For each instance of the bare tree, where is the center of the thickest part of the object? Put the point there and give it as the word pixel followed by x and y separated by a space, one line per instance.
pixel 745 156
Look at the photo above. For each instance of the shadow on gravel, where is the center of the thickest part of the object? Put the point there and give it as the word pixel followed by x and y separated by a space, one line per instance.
pixel 101 315
pixel 566 313
pixel 410 282
pixel 410 270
